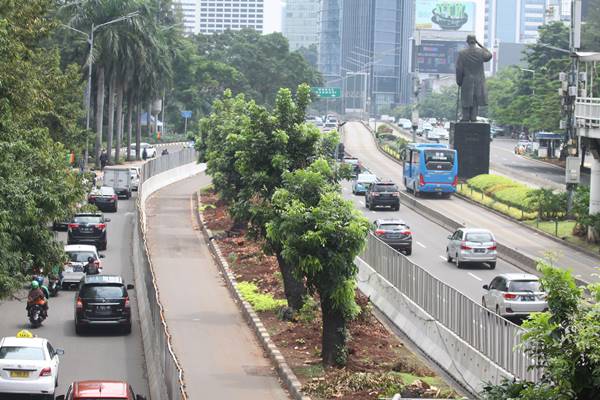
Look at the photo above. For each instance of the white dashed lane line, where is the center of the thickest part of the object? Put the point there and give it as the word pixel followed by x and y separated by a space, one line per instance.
pixel 443 258
pixel 476 277
pixel 420 244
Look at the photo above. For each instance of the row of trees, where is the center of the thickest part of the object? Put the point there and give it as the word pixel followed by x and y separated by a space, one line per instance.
pixel 278 177
pixel 40 112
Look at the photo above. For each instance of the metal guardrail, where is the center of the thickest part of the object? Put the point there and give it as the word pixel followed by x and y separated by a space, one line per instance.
pixel 171 370
pixel 587 112
pixel 493 336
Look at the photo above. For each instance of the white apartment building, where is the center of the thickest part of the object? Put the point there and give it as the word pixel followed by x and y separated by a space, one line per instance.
pixel 219 15
pixel 190 13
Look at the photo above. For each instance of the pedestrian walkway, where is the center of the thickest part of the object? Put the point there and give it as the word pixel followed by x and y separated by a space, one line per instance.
pixel 219 354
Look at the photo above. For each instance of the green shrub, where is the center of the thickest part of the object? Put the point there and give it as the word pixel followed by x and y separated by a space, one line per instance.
pixel 504 190
pixel 516 196
pixel 486 183
pixel 309 311
pixel 259 301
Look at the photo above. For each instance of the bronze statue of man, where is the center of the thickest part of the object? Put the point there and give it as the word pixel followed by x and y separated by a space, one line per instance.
pixel 471 78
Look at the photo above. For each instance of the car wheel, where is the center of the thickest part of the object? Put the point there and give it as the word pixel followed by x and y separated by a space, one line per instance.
pixel 78 329
pixel 493 265
pixel 448 257
pixel 483 303
pixel 126 329
pixel 498 309
pixel 459 264
pixel 415 191
pixel 371 206
pixel 408 252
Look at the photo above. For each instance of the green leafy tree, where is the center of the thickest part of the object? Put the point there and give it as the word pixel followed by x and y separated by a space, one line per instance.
pixel 591 27
pixel 564 342
pixel 549 205
pixel 321 234
pixel 439 104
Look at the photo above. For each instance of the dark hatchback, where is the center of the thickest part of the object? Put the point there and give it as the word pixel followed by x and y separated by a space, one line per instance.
pixel 383 194
pixel 105 198
pixel 88 228
pixel 103 301
pixel 395 233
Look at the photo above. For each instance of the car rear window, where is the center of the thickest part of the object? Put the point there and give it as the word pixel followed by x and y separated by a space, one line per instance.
pixel 390 227
pixel 87 219
pixel 102 291
pixel 479 237
pixel 21 353
pixel 439 159
pixel 524 286
pixel 385 188
pixel 80 256
pixel 107 191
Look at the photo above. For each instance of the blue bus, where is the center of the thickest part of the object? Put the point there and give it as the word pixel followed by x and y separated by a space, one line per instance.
pixel 430 168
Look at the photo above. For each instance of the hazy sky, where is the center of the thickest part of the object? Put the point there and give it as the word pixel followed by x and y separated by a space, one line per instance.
pixel 272 16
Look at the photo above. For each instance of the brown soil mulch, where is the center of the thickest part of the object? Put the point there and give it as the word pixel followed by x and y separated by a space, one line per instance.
pixel 372 348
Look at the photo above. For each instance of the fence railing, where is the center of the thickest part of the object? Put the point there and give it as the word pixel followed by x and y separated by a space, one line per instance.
pixel 493 336
pixel 587 112
pixel 169 369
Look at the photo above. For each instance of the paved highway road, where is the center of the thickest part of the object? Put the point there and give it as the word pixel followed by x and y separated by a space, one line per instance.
pixel 360 143
pixel 96 355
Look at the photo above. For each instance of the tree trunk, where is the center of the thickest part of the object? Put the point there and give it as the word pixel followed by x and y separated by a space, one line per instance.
pixel 111 115
pixel 149 123
pixel 293 288
pixel 138 131
pixel 129 124
pixel 334 352
pixel 119 121
pixel 99 113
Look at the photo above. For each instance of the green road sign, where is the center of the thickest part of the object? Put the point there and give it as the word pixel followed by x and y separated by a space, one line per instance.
pixel 327 92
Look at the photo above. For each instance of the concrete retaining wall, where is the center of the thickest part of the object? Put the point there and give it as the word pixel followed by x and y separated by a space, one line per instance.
pixel 463 362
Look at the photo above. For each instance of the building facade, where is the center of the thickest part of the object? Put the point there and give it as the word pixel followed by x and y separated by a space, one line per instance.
pixel 329 22
pixel 219 15
pixel 300 23
pixel 190 14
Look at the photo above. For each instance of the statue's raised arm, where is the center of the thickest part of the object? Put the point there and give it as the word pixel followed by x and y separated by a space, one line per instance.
pixel 470 77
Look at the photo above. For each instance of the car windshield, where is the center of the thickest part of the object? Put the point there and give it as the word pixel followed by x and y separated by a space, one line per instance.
pixel 392 227
pixel 366 178
pixel 80 256
pixel 87 219
pixel 385 188
pixel 479 237
pixel 102 291
pixel 21 353
pixel 525 286
pixel 439 159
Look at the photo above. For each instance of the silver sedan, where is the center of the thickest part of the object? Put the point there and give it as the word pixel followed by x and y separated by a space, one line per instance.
pixel 471 245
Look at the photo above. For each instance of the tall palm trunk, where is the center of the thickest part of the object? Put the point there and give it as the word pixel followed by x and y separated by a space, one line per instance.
pixel 138 130
pixel 119 121
pixel 129 124
pixel 149 125
pixel 99 112
pixel 111 114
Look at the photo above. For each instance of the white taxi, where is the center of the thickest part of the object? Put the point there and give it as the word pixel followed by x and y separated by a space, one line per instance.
pixel 28 366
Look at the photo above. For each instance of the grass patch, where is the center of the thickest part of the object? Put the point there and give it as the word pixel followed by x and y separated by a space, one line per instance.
pixel 259 301
pixel 208 189
pixel 565 232
pixel 490 202
pixel 310 371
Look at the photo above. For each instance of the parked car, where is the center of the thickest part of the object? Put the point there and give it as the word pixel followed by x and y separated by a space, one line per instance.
pixel 88 228
pixel 99 390
pixel 354 163
pixel 28 366
pixel 515 295
pixel 150 149
pixel 471 245
pixel 135 177
pixel 78 255
pixel 405 123
pixel 103 301
pixel 394 232
pixel 105 198
pixel 362 183
pixel 329 126
pixel 119 178
pixel 383 194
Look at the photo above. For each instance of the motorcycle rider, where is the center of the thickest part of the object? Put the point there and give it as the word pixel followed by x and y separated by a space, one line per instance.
pixel 91 268
pixel 36 294
pixel 42 286
pixel 55 276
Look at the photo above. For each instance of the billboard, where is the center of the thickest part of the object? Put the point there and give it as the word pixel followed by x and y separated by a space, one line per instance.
pixel 438 56
pixel 445 15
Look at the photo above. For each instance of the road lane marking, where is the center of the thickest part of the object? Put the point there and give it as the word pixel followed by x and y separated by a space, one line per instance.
pixel 476 277
pixel 443 258
pixel 361 203
pixel 420 244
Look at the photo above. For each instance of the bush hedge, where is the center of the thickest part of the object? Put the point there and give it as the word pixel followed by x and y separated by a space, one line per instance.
pixel 504 190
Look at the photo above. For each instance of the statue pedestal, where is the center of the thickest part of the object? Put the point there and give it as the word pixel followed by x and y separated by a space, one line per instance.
pixel 471 140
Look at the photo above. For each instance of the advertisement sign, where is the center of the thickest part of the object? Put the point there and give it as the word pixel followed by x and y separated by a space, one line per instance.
pixel 445 15
pixel 438 56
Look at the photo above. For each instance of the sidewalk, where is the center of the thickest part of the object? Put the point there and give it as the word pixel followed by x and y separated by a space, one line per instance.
pixel 219 354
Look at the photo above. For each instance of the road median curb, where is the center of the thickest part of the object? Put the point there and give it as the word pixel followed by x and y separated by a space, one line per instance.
pixel 284 371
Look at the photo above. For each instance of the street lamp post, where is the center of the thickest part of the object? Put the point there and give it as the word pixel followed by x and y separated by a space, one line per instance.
pixel 90 41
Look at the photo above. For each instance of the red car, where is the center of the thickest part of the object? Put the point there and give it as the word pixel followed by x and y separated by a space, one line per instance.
pixel 113 390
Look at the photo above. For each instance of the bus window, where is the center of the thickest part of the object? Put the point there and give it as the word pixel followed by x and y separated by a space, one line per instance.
pixel 439 159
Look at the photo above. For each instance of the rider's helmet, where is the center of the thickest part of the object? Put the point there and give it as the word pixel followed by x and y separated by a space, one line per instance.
pixel 35 284
pixel 40 280
pixel 90 259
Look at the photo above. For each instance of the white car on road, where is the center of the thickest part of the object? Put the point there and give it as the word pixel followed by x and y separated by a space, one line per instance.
pixel 28 366
pixel 78 256
pixel 515 295
pixel 471 245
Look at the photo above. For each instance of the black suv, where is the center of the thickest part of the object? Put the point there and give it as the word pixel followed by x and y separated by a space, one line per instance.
pixel 383 194
pixel 103 301
pixel 395 233
pixel 88 228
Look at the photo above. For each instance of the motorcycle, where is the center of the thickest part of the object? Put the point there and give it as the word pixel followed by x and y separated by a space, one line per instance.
pixel 37 314
pixel 53 287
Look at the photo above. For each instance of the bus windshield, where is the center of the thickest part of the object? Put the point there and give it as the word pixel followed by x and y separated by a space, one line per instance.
pixel 439 159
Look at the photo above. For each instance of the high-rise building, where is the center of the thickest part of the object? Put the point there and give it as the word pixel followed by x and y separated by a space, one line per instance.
pixel 300 23
pixel 330 40
pixel 190 13
pixel 219 15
